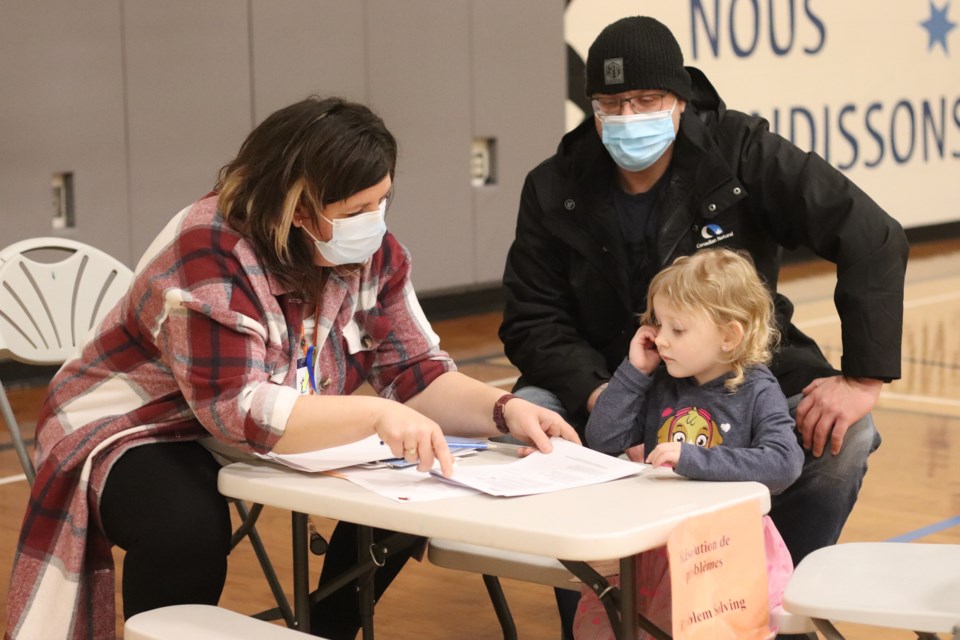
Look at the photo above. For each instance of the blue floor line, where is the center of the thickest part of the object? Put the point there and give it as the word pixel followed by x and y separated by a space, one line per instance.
pixel 928 530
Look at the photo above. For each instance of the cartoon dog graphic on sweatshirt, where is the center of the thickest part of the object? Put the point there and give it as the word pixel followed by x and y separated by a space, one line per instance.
pixel 690 424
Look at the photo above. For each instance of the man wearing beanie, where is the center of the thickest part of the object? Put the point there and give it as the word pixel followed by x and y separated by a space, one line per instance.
pixel 661 170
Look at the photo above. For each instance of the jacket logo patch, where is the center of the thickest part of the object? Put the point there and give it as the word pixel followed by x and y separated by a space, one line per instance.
pixel 711 231
pixel 712 234
pixel 613 71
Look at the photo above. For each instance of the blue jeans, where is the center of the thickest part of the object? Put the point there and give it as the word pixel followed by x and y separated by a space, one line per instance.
pixel 811 513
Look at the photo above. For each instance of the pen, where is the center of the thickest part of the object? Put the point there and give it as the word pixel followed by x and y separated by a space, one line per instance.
pixel 479 446
pixel 456 442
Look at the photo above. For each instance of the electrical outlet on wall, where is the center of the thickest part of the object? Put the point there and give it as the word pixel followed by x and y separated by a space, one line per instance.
pixel 61 185
pixel 483 161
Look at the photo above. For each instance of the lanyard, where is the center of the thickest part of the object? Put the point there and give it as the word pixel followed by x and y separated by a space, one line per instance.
pixel 312 351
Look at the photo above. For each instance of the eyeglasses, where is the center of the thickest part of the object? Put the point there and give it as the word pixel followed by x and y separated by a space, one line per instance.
pixel 646 103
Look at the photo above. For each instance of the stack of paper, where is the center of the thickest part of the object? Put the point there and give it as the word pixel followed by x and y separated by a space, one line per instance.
pixel 402 485
pixel 568 465
pixel 370 449
pixel 347 455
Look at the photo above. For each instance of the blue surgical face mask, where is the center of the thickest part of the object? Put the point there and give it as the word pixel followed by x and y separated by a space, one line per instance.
pixel 354 239
pixel 638 140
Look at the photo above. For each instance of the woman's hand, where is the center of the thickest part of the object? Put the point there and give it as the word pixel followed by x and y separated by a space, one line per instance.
pixel 643 349
pixel 413 436
pixel 534 424
pixel 666 454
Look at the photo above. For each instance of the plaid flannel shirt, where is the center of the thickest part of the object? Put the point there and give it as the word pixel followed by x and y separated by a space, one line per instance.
pixel 204 343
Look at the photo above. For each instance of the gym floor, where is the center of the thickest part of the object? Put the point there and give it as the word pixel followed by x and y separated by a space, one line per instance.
pixel 911 492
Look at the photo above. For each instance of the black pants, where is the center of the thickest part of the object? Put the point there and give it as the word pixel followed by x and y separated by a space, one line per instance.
pixel 161 506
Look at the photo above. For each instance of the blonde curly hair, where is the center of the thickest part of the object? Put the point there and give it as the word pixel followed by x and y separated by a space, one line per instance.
pixel 725 287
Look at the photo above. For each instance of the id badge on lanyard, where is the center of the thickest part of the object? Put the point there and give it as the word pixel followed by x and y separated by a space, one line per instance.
pixel 306 378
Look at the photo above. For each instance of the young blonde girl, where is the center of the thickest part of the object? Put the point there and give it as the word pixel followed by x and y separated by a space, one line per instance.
pixel 695 394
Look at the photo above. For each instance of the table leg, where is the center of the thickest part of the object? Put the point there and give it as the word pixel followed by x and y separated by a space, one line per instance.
pixel 365 589
pixel 615 600
pixel 301 571
pixel 826 627
pixel 628 598
pixel 500 607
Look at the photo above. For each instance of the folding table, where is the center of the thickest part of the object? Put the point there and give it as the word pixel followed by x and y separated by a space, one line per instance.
pixel 599 522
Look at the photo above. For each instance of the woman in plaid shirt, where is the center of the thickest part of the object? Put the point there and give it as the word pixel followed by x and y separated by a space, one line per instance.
pixel 289 257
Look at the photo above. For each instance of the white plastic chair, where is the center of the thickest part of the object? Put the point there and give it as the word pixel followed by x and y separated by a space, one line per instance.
pixel 885 584
pixel 203 622
pixel 47 308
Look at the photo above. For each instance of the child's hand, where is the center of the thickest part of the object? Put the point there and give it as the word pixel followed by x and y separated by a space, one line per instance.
pixel 643 349
pixel 665 455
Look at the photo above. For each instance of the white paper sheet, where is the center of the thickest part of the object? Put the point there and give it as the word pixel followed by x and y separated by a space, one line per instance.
pixel 568 465
pixel 347 455
pixel 370 449
pixel 402 485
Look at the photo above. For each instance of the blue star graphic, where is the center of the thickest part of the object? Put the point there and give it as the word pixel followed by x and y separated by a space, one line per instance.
pixel 938 26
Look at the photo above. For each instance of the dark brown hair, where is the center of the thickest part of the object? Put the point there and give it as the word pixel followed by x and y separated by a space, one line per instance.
pixel 312 153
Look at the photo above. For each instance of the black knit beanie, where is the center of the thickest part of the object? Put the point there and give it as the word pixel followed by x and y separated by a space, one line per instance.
pixel 636 53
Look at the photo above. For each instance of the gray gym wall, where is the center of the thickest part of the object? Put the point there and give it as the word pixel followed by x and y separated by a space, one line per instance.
pixel 144 101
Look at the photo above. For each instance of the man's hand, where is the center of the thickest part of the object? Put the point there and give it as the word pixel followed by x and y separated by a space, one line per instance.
pixel 830 406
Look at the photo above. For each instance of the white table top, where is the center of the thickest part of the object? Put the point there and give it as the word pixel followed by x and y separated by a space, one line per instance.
pixel 610 520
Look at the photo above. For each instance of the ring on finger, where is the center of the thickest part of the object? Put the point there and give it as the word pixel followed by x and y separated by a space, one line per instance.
pixel 412 451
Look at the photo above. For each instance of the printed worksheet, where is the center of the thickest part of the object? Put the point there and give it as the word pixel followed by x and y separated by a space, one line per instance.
pixel 402 485
pixel 568 465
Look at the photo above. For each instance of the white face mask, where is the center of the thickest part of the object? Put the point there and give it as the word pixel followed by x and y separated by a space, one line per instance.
pixel 354 239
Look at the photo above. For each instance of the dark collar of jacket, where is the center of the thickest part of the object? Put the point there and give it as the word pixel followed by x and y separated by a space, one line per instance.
pixel 703 184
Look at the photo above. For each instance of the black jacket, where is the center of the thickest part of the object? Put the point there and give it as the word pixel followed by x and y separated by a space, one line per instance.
pixel 571 304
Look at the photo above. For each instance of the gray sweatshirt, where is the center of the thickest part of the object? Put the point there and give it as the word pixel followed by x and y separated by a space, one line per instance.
pixel 745 435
